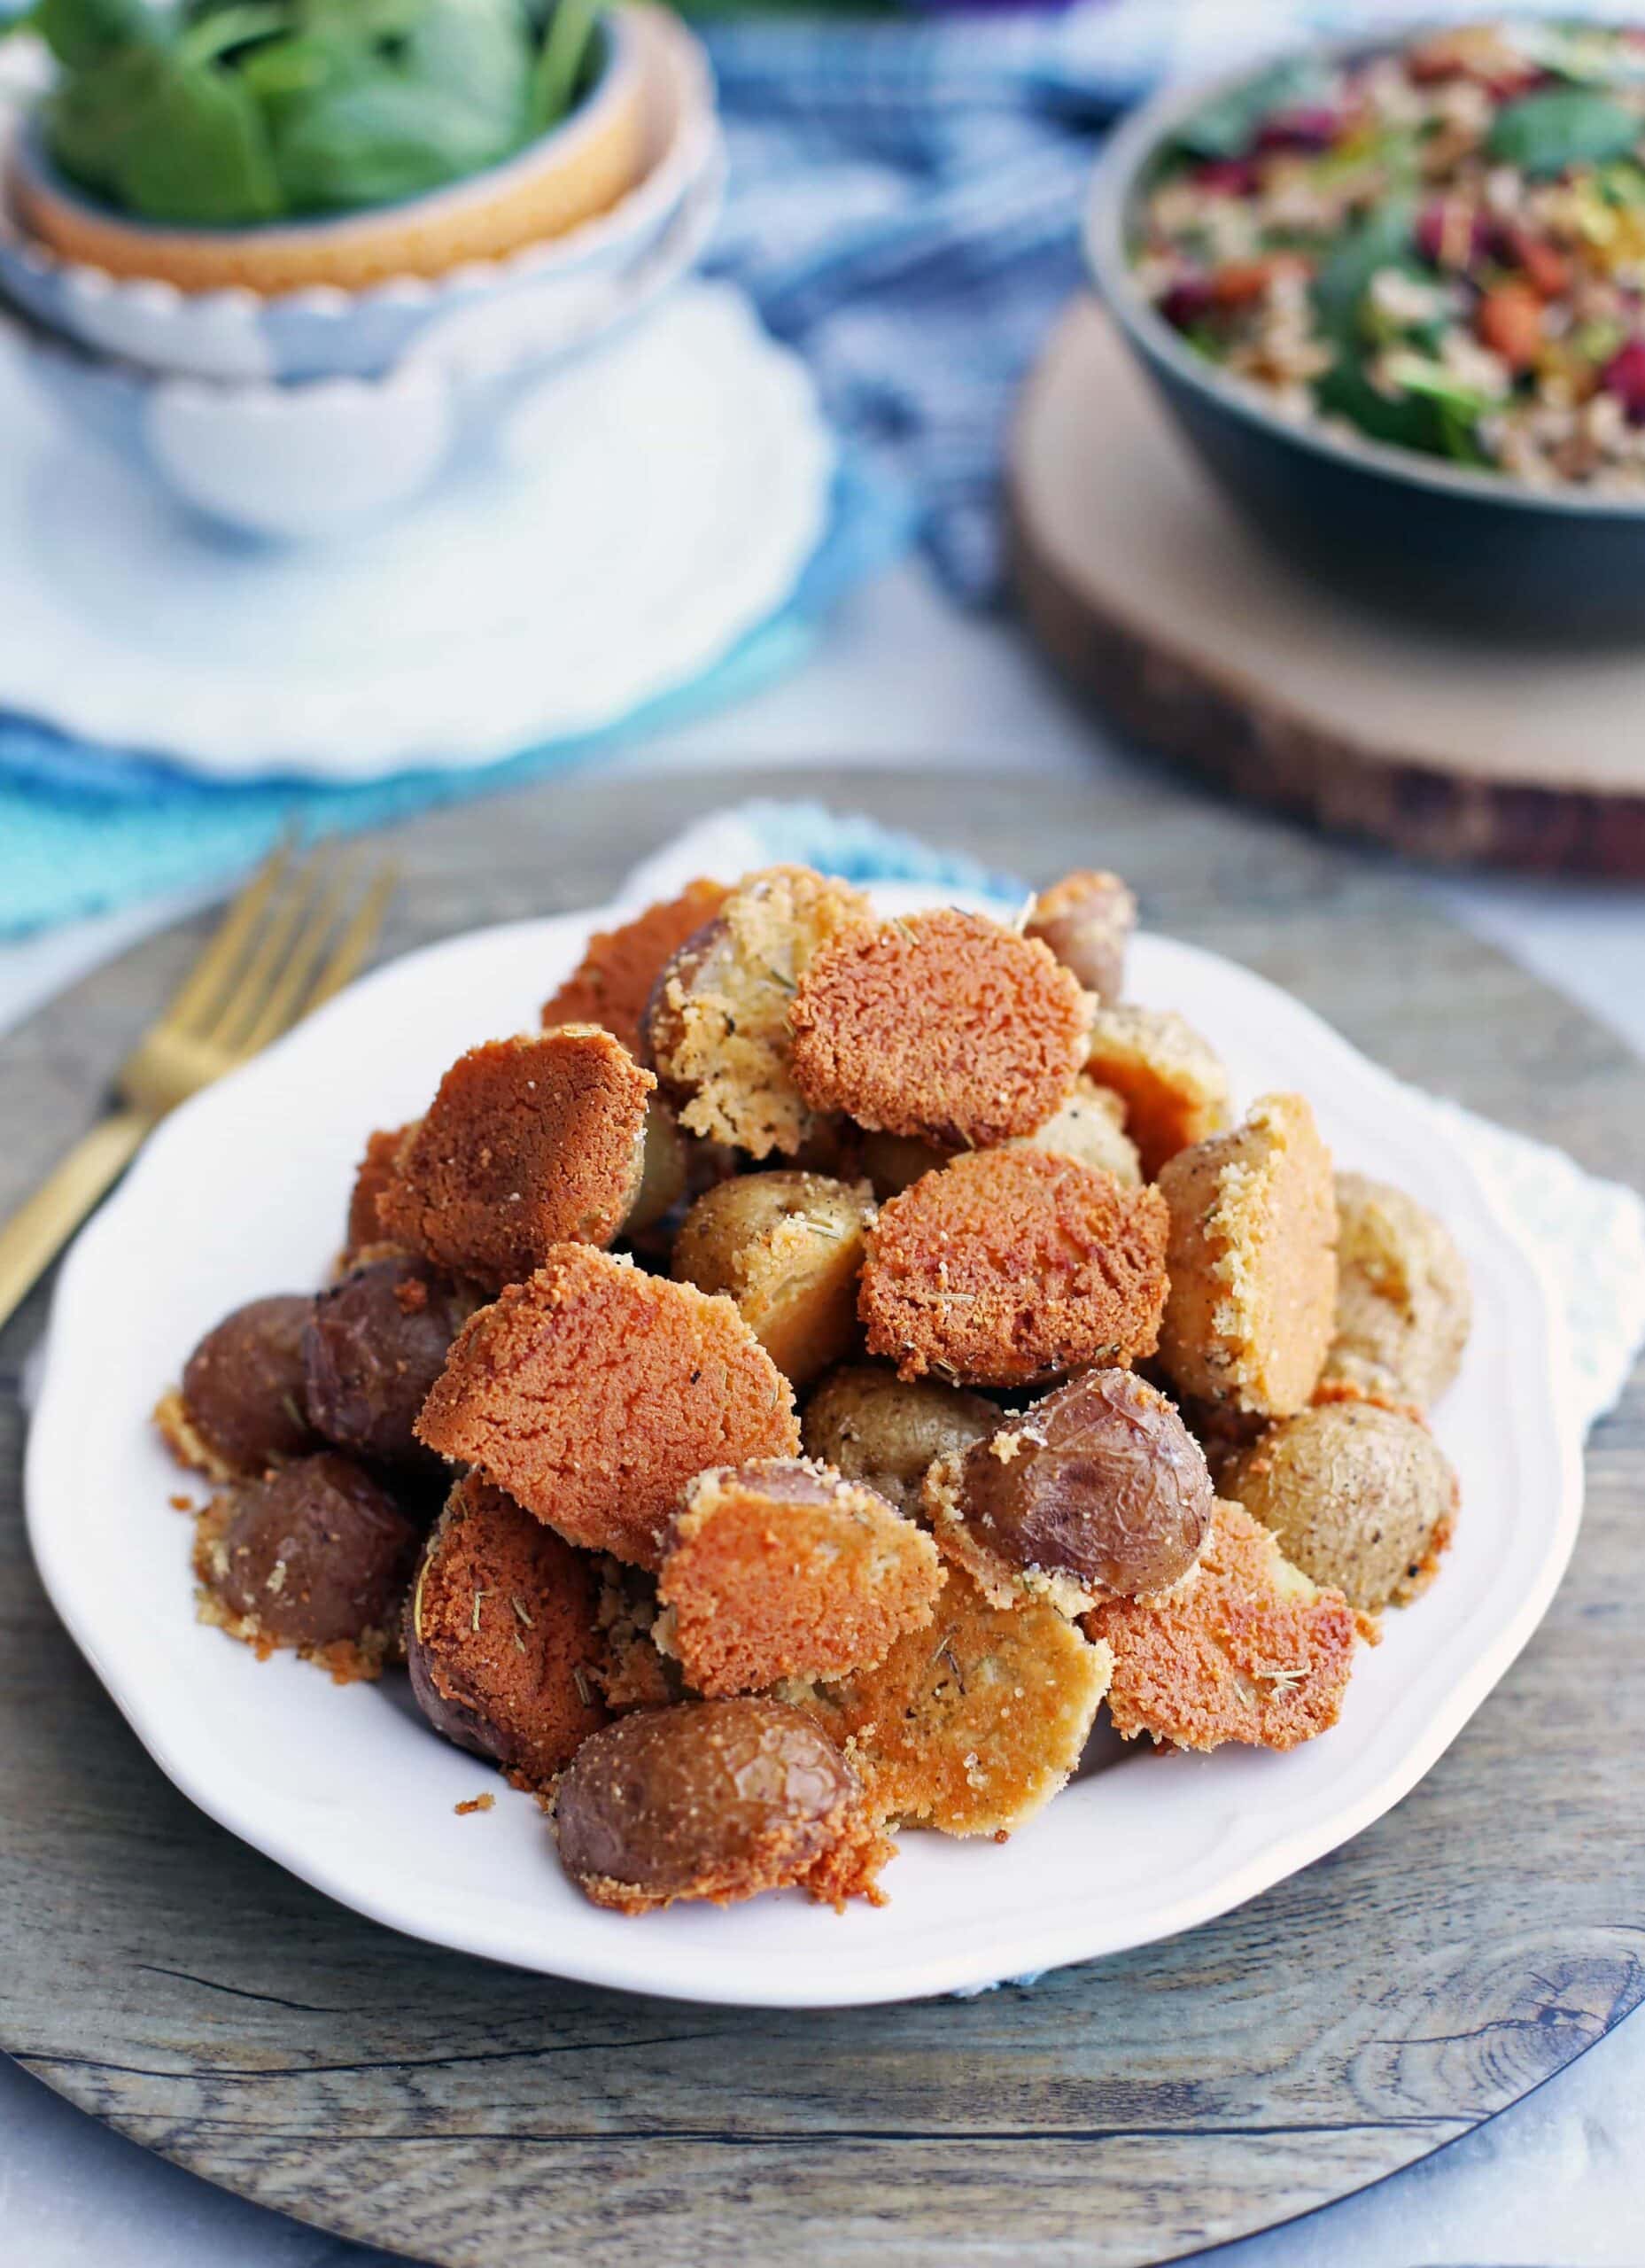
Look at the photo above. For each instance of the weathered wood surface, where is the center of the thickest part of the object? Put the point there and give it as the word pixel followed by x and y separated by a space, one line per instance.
pixel 1357 2016
pixel 1203 642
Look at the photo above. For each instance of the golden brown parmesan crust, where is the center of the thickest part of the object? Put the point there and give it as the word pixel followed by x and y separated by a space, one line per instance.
pixel 593 1393
pixel 1011 1266
pixel 785 1569
pixel 789 1248
pixel 1252 1261
pixel 1173 1084
pixel 501 1626
pixel 1246 1649
pixel 717 1026
pixel 529 1143
pixel 944 1027
pixel 972 1725
pixel 372 1176
pixel 612 982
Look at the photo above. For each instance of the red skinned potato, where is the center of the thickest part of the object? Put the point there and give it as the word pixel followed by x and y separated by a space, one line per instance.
pixel 716 1800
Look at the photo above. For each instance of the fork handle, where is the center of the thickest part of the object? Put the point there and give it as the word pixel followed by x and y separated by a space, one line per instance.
pixel 37 1231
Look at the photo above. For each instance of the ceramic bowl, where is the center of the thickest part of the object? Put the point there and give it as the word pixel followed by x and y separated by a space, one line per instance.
pixel 655 100
pixel 299 462
pixel 1387 525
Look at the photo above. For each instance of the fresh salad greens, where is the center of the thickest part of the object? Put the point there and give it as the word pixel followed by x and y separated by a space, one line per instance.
pixel 1439 243
pixel 216 114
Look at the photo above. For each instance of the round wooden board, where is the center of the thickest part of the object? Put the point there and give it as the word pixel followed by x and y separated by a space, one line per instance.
pixel 183 1988
pixel 1206 645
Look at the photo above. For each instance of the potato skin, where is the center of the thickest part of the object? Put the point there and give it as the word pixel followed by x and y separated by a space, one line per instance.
pixel 709 1799
pixel 1361 1497
pixel 241 1408
pixel 1404 1308
pixel 874 1428
pixel 1087 920
pixel 1100 1481
pixel 373 1347
pixel 316 1554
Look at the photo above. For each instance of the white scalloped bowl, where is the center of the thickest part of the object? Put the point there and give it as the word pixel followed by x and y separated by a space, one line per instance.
pixel 304 463
pixel 351 1792
pixel 325 331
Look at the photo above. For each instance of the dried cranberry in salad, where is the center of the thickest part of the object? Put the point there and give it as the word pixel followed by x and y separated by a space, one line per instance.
pixel 1441 246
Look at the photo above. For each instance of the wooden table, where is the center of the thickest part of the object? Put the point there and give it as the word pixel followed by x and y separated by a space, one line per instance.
pixel 1357 2016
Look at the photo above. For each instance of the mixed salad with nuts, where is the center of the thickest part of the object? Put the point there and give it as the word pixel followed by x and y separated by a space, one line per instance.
pixel 1441 246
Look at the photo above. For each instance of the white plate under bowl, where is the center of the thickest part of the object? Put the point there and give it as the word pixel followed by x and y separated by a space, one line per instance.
pixel 636 515
pixel 243 1192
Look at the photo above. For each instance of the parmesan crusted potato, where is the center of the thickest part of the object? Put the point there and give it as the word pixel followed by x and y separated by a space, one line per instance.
pixel 787 1247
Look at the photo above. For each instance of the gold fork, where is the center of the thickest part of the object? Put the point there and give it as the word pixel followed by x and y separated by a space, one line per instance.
pixel 266 968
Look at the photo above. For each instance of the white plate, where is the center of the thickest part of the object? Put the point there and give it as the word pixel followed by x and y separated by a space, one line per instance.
pixel 243 1192
pixel 640 512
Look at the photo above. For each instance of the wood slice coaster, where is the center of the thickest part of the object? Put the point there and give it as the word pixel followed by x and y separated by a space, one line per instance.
pixel 1206 645
pixel 177 1984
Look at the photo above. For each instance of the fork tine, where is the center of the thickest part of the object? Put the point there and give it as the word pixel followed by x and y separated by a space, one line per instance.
pixel 356 941
pixel 280 1009
pixel 187 1009
pixel 239 1012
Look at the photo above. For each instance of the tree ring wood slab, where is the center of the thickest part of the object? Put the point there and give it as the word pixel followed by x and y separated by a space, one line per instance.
pixel 182 1987
pixel 1208 645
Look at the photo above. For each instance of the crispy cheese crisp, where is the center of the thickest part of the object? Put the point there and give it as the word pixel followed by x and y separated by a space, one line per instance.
pixel 593 1393
pixel 1244 1649
pixel 783 1568
pixel 942 1027
pixel 528 1144
pixel 973 1724
pixel 1011 1266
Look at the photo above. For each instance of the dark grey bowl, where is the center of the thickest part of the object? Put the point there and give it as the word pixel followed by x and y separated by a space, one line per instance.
pixel 1387 525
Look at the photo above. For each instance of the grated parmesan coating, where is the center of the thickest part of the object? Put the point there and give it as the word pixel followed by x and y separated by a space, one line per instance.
pixel 1010 1266
pixel 593 1393
pixel 942 1027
